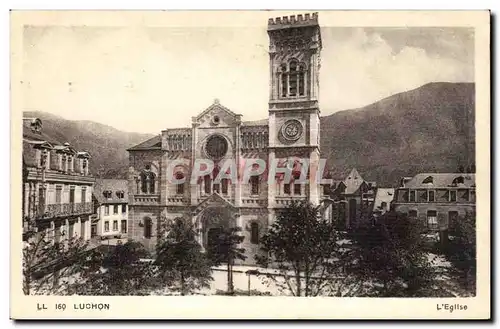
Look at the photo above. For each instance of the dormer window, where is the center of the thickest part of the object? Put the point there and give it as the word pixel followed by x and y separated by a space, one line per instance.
pixel 458 180
pixel 120 194
pixel 107 194
pixel 428 180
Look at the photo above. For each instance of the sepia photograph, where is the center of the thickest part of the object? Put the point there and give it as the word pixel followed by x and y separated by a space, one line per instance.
pixel 232 159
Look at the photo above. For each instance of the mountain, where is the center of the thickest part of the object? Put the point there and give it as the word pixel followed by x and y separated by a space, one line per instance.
pixel 107 145
pixel 428 129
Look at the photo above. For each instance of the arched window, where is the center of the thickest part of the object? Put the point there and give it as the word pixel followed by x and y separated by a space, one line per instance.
pixel 152 183
pixel 297 187
pixel 254 237
pixel 208 184
pixel 458 180
pixel 148 182
pixel 179 188
pixel 144 183
pixel 148 227
pixel 292 79
pixel 216 186
pixel 254 182
pixel 225 185
pixel 284 81
pixel 428 180
pixel 301 79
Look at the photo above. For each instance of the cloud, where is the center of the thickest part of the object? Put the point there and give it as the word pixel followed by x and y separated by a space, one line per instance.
pixel 149 79
pixel 362 68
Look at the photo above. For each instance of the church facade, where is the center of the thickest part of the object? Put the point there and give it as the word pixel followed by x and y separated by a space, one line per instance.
pixel 291 133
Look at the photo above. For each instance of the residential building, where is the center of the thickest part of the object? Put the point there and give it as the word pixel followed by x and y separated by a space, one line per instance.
pixel 383 201
pixel 434 200
pixel 111 208
pixel 57 186
pixel 217 133
pixel 352 199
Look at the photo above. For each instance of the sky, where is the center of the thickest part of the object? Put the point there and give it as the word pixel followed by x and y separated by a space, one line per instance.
pixel 149 78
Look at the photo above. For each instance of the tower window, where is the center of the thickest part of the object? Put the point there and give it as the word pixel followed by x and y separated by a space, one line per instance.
pixel 284 81
pixel 254 181
pixel 292 79
pixel 301 80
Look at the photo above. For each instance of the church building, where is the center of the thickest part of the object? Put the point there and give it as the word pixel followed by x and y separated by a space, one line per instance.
pixel 292 131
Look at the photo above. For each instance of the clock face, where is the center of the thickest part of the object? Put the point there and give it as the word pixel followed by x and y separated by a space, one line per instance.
pixel 292 130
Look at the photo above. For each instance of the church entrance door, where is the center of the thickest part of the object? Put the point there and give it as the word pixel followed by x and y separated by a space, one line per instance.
pixel 213 236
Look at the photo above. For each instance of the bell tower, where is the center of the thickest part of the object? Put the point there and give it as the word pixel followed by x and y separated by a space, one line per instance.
pixel 294 115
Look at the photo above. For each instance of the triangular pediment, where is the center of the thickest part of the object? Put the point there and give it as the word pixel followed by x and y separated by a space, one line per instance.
pixel 217 115
pixel 214 200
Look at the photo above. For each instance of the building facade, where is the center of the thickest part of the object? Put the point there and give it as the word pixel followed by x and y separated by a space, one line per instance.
pixel 57 186
pixel 351 199
pixel 434 200
pixel 383 201
pixel 111 208
pixel 291 132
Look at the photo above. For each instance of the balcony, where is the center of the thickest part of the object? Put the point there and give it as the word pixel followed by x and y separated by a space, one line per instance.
pixel 146 199
pixel 284 201
pixel 67 209
pixel 176 200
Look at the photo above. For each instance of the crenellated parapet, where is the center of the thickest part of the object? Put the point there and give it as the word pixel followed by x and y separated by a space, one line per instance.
pixel 292 21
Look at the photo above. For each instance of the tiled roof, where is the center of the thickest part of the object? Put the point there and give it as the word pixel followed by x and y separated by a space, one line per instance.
pixel 423 180
pixel 263 122
pixel 113 185
pixel 353 181
pixel 154 142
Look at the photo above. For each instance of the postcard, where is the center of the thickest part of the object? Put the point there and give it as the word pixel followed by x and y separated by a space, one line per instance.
pixel 250 165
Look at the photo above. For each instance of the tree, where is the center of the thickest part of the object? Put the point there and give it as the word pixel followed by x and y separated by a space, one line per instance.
pixel 179 258
pixel 304 248
pixel 391 258
pixel 226 250
pixel 50 266
pixel 461 250
pixel 124 271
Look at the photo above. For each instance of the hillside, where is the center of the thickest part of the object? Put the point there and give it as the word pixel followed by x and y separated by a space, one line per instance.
pixel 430 128
pixel 106 144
